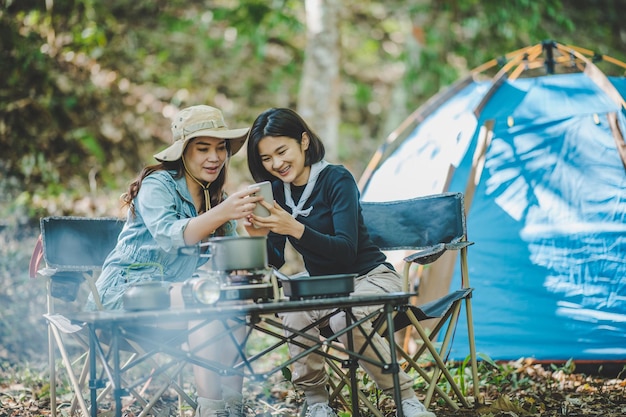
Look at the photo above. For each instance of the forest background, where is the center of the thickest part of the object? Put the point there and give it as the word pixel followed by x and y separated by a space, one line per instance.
pixel 87 88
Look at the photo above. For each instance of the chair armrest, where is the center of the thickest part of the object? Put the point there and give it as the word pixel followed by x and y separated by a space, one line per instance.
pixel 63 323
pixel 428 255
pixel 458 245
pixel 47 272
pixel 432 253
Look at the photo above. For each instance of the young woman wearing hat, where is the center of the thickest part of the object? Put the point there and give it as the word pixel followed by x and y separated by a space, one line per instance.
pixel 317 209
pixel 177 202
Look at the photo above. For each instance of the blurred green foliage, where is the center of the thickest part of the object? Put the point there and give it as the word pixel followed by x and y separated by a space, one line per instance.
pixel 87 86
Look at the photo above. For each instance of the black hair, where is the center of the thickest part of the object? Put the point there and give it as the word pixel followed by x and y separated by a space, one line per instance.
pixel 280 122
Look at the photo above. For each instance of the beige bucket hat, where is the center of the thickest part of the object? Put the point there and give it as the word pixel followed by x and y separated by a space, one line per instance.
pixel 196 121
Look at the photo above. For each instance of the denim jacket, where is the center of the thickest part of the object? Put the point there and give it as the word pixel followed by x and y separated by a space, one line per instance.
pixel 147 247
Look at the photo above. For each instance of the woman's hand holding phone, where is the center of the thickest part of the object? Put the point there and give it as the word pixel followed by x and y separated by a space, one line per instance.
pixel 265 191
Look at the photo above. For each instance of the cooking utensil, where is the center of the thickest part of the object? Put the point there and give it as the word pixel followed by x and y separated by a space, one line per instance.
pixel 232 253
pixel 322 286
pixel 245 254
pixel 149 295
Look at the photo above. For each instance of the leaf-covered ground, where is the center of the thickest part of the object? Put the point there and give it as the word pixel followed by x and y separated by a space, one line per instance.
pixel 521 388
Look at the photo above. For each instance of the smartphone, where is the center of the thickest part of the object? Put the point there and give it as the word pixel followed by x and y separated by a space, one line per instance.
pixel 267 194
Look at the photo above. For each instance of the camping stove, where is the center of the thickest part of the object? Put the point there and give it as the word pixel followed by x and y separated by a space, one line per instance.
pixel 237 270
pixel 209 287
pixel 252 285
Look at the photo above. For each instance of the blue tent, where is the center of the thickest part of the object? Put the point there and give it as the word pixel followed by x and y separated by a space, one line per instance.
pixel 538 149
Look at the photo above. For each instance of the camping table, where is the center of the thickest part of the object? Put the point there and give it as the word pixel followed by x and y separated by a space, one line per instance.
pixel 123 325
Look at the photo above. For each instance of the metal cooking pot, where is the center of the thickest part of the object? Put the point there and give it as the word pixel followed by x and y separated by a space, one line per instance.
pixel 149 295
pixel 231 253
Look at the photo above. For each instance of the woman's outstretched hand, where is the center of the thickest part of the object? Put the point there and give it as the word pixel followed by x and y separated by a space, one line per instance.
pixel 239 205
pixel 279 221
pixel 236 206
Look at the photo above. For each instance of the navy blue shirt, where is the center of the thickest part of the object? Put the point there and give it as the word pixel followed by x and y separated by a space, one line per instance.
pixel 335 239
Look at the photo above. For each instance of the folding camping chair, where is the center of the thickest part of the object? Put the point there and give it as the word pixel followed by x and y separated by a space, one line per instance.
pixel 428 226
pixel 73 250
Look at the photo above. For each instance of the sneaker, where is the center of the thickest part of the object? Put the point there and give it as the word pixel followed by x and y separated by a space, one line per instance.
pixel 234 405
pixel 211 408
pixel 320 410
pixel 201 412
pixel 414 408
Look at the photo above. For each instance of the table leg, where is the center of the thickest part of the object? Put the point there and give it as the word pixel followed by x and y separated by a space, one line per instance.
pixel 394 360
pixel 93 388
pixel 352 364
pixel 117 380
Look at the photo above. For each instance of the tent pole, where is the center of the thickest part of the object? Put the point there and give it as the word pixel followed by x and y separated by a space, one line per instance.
pixel 618 136
pixel 478 163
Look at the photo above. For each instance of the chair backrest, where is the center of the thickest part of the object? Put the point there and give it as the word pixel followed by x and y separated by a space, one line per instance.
pixel 416 223
pixel 78 243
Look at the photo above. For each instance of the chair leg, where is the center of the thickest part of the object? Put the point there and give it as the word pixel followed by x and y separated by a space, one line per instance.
pixel 148 408
pixel 174 379
pixel 470 324
pixel 68 366
pixel 51 354
pixel 335 394
pixel 411 361
pixel 472 346
pixel 81 380
pixel 433 350
pixel 344 380
pixel 53 372
pixel 406 339
pixel 83 377
pixel 443 348
pixel 412 364
pixel 136 395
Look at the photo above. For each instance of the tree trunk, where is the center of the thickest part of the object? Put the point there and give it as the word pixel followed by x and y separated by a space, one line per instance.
pixel 318 100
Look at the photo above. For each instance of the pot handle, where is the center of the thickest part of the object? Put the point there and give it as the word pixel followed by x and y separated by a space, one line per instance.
pixel 196 250
pixel 211 249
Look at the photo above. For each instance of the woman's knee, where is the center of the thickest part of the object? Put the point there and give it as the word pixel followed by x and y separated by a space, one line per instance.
pixel 337 322
pixel 296 320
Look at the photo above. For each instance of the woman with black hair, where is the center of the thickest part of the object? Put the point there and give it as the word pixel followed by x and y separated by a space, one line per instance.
pixel 317 209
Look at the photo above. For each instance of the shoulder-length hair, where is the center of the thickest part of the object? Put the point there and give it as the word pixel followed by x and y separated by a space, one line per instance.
pixel 280 122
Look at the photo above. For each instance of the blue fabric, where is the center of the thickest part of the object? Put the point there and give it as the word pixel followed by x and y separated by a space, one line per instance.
pixel 416 223
pixel 147 247
pixel 548 216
